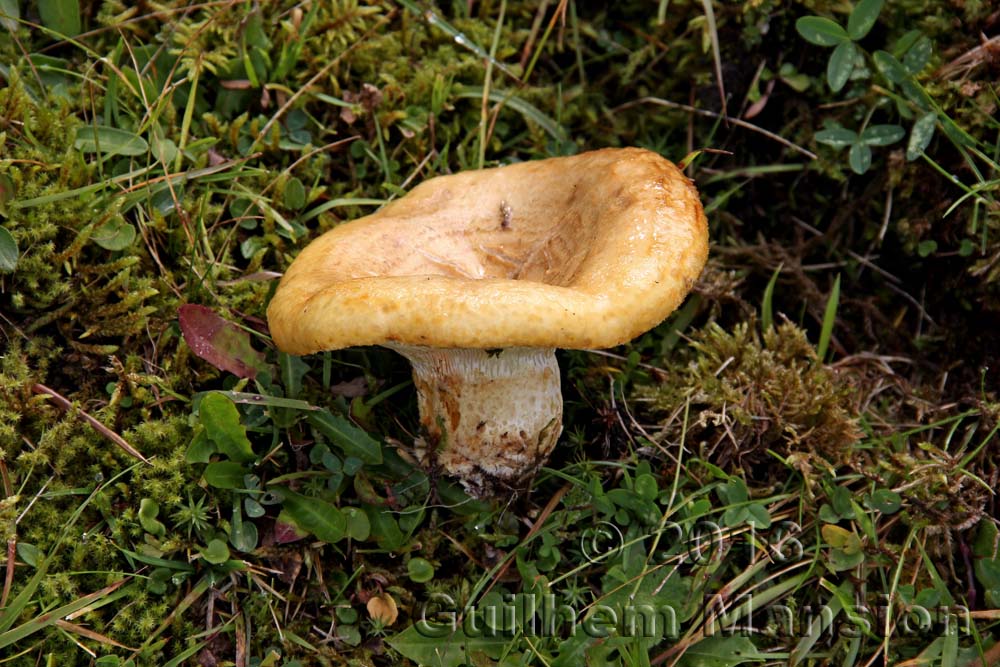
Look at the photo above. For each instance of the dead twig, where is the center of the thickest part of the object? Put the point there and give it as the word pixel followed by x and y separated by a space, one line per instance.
pixel 712 114
pixel 961 66
pixel 65 404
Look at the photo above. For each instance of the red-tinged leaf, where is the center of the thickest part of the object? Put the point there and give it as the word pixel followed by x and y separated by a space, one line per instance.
pixel 219 342
pixel 285 531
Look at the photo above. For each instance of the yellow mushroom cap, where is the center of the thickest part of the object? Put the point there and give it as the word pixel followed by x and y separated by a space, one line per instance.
pixel 587 251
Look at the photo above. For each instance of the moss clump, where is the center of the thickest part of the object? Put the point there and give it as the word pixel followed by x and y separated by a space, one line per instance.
pixel 750 393
pixel 93 296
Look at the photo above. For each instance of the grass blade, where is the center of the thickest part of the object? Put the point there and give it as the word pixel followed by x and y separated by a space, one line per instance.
pixel 487 81
pixel 713 35
pixel 13 611
pixel 766 304
pixel 829 319
pixel 679 323
pixel 337 203
pixel 819 625
pixel 92 601
pixel 526 109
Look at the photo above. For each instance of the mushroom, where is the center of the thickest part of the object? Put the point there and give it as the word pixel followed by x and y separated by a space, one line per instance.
pixel 477 277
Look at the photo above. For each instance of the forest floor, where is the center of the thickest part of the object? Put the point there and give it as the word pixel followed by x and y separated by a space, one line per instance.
pixel 799 466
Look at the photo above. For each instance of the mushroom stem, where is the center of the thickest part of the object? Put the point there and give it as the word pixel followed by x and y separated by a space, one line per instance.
pixel 490 417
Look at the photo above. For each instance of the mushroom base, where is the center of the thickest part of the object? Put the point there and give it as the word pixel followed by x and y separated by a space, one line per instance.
pixel 490 417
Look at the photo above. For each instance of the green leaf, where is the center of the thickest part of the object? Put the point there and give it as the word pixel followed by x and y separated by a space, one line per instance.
pixel 157 562
pixel 56 75
pixel 921 135
pixel 985 547
pixel 841 538
pixel 352 440
pixel 882 135
pixel 61 16
pixel 918 55
pixel 864 521
pixel 798 82
pixel 317 516
pixel 885 501
pixel 253 508
pixel 838 137
pixel 9 14
pixel 148 510
pixel 242 535
pixel 254 31
pixel 114 234
pixel 890 67
pixel 758 516
pixel 224 475
pixel 157 585
pixel 734 516
pixel 249 398
pixel 351 465
pixel 242 209
pixel 109 141
pixel 358 526
pixel 904 43
pixel 222 425
pixel 840 65
pixel 201 448
pixel 295 194
pixel 165 150
pixel 735 491
pixel 346 614
pixel 646 487
pixel 29 553
pixel 719 651
pixel 840 499
pixel 629 500
pixel 987 561
pixel 6 190
pixel 216 552
pixel 863 18
pixel 349 634
pixel 840 560
pixel 927 247
pixel 293 369
pixel 927 597
pixel 821 31
pixel 420 570
pixel 8 251
pixel 829 319
pixel 827 514
pixel 860 158
pixel 385 529
pixel 441 647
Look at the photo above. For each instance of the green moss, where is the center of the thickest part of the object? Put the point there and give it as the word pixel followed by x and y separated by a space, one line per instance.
pixel 750 393
pixel 98 325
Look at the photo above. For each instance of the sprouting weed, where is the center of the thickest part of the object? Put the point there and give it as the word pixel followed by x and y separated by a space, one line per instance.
pixel 192 515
